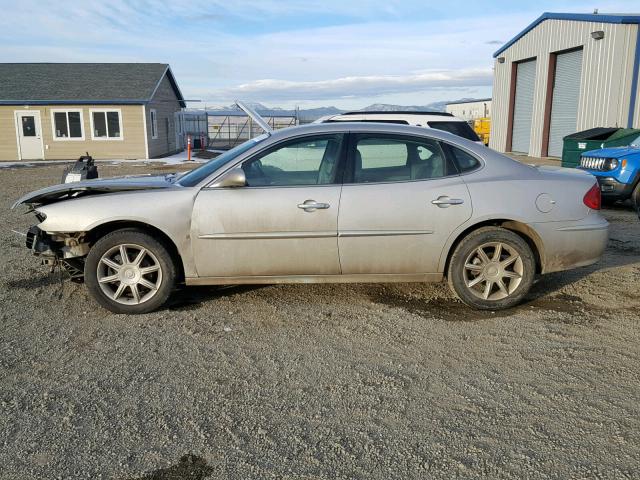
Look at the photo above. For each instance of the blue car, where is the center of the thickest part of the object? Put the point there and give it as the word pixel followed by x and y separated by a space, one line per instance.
pixel 617 170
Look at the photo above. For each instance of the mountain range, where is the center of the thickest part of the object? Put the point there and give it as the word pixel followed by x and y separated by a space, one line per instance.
pixel 310 114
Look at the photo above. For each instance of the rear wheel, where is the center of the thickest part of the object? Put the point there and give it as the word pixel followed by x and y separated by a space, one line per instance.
pixel 492 269
pixel 128 271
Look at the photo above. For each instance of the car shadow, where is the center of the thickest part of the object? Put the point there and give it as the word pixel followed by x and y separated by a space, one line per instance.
pixel 189 298
pixel 189 467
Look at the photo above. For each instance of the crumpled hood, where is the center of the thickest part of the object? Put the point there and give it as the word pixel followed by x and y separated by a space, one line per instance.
pixel 66 191
pixel 612 152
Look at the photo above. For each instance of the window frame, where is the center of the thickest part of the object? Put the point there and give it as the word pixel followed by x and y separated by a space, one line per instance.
pixel 339 177
pixel 349 170
pixel 67 111
pixel 153 118
pixel 105 111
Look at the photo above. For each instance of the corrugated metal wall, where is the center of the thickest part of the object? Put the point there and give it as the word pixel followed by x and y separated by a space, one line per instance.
pixel 605 84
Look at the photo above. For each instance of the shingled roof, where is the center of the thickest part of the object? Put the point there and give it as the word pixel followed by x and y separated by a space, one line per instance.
pixel 82 83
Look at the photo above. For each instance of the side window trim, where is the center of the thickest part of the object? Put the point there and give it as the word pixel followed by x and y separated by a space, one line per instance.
pixel 338 180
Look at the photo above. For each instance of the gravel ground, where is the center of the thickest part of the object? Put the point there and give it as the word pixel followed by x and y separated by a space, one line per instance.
pixel 318 381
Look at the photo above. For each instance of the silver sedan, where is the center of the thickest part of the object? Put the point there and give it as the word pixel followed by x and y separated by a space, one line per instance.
pixel 336 202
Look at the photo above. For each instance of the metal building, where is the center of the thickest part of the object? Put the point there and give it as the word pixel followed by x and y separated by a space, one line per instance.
pixel 565 73
pixel 470 109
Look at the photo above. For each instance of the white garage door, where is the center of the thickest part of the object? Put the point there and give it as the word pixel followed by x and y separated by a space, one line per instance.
pixel 523 106
pixel 566 93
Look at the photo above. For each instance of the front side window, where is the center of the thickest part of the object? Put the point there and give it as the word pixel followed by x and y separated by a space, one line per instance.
pixel 308 161
pixel 398 159
pixel 67 125
pixel 106 125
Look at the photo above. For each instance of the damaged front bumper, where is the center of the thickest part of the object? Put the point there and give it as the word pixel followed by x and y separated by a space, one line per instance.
pixel 66 250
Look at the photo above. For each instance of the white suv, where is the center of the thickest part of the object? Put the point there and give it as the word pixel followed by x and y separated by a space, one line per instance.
pixel 438 120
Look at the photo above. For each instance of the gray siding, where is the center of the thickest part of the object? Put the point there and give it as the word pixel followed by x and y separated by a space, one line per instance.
pixel 605 84
pixel 165 102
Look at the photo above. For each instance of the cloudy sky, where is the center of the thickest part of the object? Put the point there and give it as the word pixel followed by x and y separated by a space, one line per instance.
pixel 347 53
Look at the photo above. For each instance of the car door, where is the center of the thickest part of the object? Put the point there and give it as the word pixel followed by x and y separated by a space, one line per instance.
pixel 401 199
pixel 283 222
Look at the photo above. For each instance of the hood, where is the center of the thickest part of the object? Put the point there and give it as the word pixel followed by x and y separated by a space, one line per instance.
pixel 612 152
pixel 66 191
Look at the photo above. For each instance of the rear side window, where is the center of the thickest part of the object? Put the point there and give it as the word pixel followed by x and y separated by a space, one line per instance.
pixel 388 158
pixel 464 161
pixel 461 129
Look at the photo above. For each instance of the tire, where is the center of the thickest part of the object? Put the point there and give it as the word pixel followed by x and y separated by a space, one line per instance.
pixel 635 197
pixel 149 272
pixel 469 272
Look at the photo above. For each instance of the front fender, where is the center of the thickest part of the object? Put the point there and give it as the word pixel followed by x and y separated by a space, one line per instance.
pixel 166 210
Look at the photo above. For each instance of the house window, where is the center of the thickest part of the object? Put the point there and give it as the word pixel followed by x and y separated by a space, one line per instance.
pixel 67 125
pixel 106 125
pixel 154 124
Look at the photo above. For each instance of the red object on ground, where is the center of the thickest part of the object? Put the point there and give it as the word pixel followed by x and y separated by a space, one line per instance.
pixel 189 148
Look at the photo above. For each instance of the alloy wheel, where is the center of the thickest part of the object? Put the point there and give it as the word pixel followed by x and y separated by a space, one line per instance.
pixel 129 274
pixel 493 271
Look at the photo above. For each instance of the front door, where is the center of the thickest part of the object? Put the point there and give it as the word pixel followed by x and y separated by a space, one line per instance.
pixel 400 202
pixel 283 222
pixel 29 135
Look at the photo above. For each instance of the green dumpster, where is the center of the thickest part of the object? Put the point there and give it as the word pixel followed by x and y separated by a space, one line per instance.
pixel 593 139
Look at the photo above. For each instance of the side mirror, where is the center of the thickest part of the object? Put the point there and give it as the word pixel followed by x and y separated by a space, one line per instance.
pixel 232 179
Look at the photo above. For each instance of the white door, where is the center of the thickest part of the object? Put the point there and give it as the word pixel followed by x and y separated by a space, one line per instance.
pixel 523 106
pixel 29 135
pixel 564 103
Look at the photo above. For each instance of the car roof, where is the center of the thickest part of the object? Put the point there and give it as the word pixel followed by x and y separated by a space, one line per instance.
pixel 417 118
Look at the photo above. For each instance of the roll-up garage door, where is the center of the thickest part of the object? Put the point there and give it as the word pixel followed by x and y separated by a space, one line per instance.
pixel 564 104
pixel 523 106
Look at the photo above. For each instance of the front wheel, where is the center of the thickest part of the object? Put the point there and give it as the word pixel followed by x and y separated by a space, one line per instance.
pixel 128 271
pixel 492 269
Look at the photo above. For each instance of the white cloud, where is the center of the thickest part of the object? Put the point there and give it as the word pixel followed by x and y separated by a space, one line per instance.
pixel 357 86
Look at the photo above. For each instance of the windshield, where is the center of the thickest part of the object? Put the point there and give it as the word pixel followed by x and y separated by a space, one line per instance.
pixel 636 142
pixel 195 176
pixel 461 129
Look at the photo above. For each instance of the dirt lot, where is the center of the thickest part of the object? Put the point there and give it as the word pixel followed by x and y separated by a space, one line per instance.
pixel 318 381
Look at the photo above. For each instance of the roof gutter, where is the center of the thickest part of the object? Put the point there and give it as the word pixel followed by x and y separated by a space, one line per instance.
pixel 76 102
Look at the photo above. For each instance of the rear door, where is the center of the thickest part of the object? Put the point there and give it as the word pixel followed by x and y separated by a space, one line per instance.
pixel 401 200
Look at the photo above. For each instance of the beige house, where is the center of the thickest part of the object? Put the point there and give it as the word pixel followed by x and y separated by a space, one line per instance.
pixel 59 111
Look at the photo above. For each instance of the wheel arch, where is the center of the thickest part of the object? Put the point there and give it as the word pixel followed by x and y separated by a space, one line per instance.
pixel 527 233
pixel 103 229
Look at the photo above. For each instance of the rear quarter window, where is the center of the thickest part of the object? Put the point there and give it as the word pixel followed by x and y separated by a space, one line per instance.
pixel 465 162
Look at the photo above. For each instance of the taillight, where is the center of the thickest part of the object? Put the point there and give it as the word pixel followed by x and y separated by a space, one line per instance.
pixel 592 198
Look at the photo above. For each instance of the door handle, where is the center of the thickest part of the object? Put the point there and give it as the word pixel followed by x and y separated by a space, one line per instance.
pixel 311 205
pixel 445 202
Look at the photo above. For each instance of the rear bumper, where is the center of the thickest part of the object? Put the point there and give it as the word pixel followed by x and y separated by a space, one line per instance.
pixel 568 245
